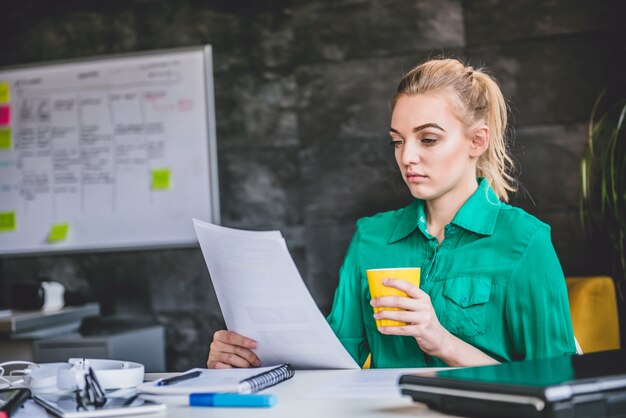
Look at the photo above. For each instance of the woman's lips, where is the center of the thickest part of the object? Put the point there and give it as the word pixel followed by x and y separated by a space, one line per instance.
pixel 416 177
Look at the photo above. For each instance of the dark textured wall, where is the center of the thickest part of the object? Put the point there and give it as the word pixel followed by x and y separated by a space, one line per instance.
pixel 302 100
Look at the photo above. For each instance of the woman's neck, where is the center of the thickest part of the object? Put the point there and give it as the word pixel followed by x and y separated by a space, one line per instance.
pixel 440 211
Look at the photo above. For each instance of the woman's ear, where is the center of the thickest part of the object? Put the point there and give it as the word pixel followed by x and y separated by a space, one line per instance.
pixel 480 141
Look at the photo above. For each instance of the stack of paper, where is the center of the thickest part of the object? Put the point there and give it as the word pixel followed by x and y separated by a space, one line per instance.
pixel 262 296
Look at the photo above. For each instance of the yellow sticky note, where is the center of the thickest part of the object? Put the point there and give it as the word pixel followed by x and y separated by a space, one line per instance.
pixel 5 92
pixel 5 139
pixel 7 221
pixel 161 179
pixel 58 232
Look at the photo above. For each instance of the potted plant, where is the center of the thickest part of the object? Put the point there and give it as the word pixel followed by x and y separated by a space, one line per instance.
pixel 603 178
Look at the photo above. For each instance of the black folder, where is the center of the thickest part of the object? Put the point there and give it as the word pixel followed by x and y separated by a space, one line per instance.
pixel 586 386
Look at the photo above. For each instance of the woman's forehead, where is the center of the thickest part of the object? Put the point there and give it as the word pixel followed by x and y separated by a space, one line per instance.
pixel 419 109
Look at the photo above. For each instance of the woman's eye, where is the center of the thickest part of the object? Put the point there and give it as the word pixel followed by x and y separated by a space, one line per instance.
pixel 428 141
pixel 396 143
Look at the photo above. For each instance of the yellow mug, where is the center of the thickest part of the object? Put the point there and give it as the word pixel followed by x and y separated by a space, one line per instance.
pixel 377 289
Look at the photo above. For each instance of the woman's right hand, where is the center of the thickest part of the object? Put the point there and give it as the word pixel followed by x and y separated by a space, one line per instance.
pixel 230 349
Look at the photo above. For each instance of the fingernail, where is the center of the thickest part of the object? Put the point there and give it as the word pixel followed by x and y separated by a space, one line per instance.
pixel 252 344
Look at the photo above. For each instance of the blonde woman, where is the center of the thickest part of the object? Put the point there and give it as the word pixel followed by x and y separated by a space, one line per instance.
pixel 492 288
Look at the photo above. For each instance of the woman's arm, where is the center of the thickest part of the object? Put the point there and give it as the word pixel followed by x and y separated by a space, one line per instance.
pixel 423 325
pixel 346 317
pixel 537 311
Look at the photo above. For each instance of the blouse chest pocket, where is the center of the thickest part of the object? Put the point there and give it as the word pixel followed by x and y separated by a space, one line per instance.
pixel 465 305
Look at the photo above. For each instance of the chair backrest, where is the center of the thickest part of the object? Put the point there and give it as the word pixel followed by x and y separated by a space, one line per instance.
pixel 594 312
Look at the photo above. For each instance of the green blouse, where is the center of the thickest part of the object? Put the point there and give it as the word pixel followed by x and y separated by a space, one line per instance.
pixel 494 281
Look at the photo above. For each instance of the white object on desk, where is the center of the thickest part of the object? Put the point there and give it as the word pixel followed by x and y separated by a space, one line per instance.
pixel 364 384
pixel 111 374
pixel 210 380
pixel 263 297
pixel 30 410
pixel 295 400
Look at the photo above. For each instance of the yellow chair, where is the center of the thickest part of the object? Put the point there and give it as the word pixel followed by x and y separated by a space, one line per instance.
pixel 594 312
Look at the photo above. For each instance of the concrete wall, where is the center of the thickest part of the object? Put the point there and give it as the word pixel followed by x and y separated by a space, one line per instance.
pixel 302 99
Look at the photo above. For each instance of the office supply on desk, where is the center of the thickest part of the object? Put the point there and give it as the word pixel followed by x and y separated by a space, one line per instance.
pixel 232 400
pixel 11 400
pixel 67 406
pixel 591 385
pixel 224 400
pixel 49 296
pixel 179 378
pixel 263 296
pixel 111 374
pixel 223 381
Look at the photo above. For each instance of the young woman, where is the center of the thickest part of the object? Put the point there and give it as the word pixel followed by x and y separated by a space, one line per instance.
pixel 492 289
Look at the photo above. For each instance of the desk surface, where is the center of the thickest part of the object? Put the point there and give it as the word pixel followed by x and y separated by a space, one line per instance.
pixel 304 396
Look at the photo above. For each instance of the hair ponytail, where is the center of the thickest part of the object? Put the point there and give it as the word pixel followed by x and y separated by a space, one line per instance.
pixel 496 165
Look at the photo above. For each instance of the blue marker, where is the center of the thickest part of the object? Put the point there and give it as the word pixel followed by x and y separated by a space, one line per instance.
pixel 232 400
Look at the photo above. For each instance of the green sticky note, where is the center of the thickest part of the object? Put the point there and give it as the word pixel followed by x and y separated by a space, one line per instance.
pixel 5 93
pixel 58 232
pixel 7 221
pixel 5 139
pixel 161 179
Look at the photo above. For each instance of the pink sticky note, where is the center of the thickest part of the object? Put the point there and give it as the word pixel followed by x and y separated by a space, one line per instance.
pixel 5 115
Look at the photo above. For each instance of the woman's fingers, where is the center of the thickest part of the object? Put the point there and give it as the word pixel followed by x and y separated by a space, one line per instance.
pixel 230 349
pixel 414 299
pixel 233 338
pixel 400 302
pixel 402 330
pixel 419 316
pixel 227 351
pixel 232 359
pixel 220 365
pixel 410 289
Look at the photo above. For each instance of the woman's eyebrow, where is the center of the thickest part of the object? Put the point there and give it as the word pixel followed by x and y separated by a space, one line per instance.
pixel 419 128
pixel 428 125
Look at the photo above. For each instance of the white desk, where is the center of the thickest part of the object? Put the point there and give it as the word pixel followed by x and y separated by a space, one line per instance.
pixel 303 396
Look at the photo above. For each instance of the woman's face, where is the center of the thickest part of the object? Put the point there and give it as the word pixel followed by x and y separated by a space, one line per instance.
pixel 431 148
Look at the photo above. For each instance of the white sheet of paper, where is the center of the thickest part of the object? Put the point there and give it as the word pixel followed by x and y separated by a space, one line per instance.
pixel 262 296
pixel 31 410
pixel 365 384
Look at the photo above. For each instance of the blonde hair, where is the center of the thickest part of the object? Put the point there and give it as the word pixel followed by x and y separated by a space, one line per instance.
pixel 476 97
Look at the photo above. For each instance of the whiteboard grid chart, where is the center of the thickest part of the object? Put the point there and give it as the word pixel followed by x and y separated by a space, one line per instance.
pixel 107 154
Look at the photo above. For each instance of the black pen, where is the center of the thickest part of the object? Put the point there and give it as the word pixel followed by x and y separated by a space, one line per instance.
pixel 176 379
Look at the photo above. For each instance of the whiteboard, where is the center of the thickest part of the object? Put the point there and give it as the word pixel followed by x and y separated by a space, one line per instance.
pixel 108 153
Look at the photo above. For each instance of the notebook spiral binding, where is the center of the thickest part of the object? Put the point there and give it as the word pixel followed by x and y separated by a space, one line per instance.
pixel 270 378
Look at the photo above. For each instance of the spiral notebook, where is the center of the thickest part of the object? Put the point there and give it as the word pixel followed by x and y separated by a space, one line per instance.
pixel 223 381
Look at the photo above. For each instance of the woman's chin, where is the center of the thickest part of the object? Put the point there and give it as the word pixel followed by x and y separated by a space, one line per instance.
pixel 419 191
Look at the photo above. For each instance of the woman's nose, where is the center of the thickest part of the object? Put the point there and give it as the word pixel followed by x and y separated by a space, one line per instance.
pixel 410 153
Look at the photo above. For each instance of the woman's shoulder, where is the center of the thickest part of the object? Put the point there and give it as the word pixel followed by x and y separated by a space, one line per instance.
pixel 386 221
pixel 516 221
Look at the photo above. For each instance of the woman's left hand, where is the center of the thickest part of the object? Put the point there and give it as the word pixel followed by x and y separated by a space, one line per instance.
pixel 419 315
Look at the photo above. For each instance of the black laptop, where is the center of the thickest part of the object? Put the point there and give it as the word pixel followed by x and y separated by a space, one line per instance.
pixel 587 386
